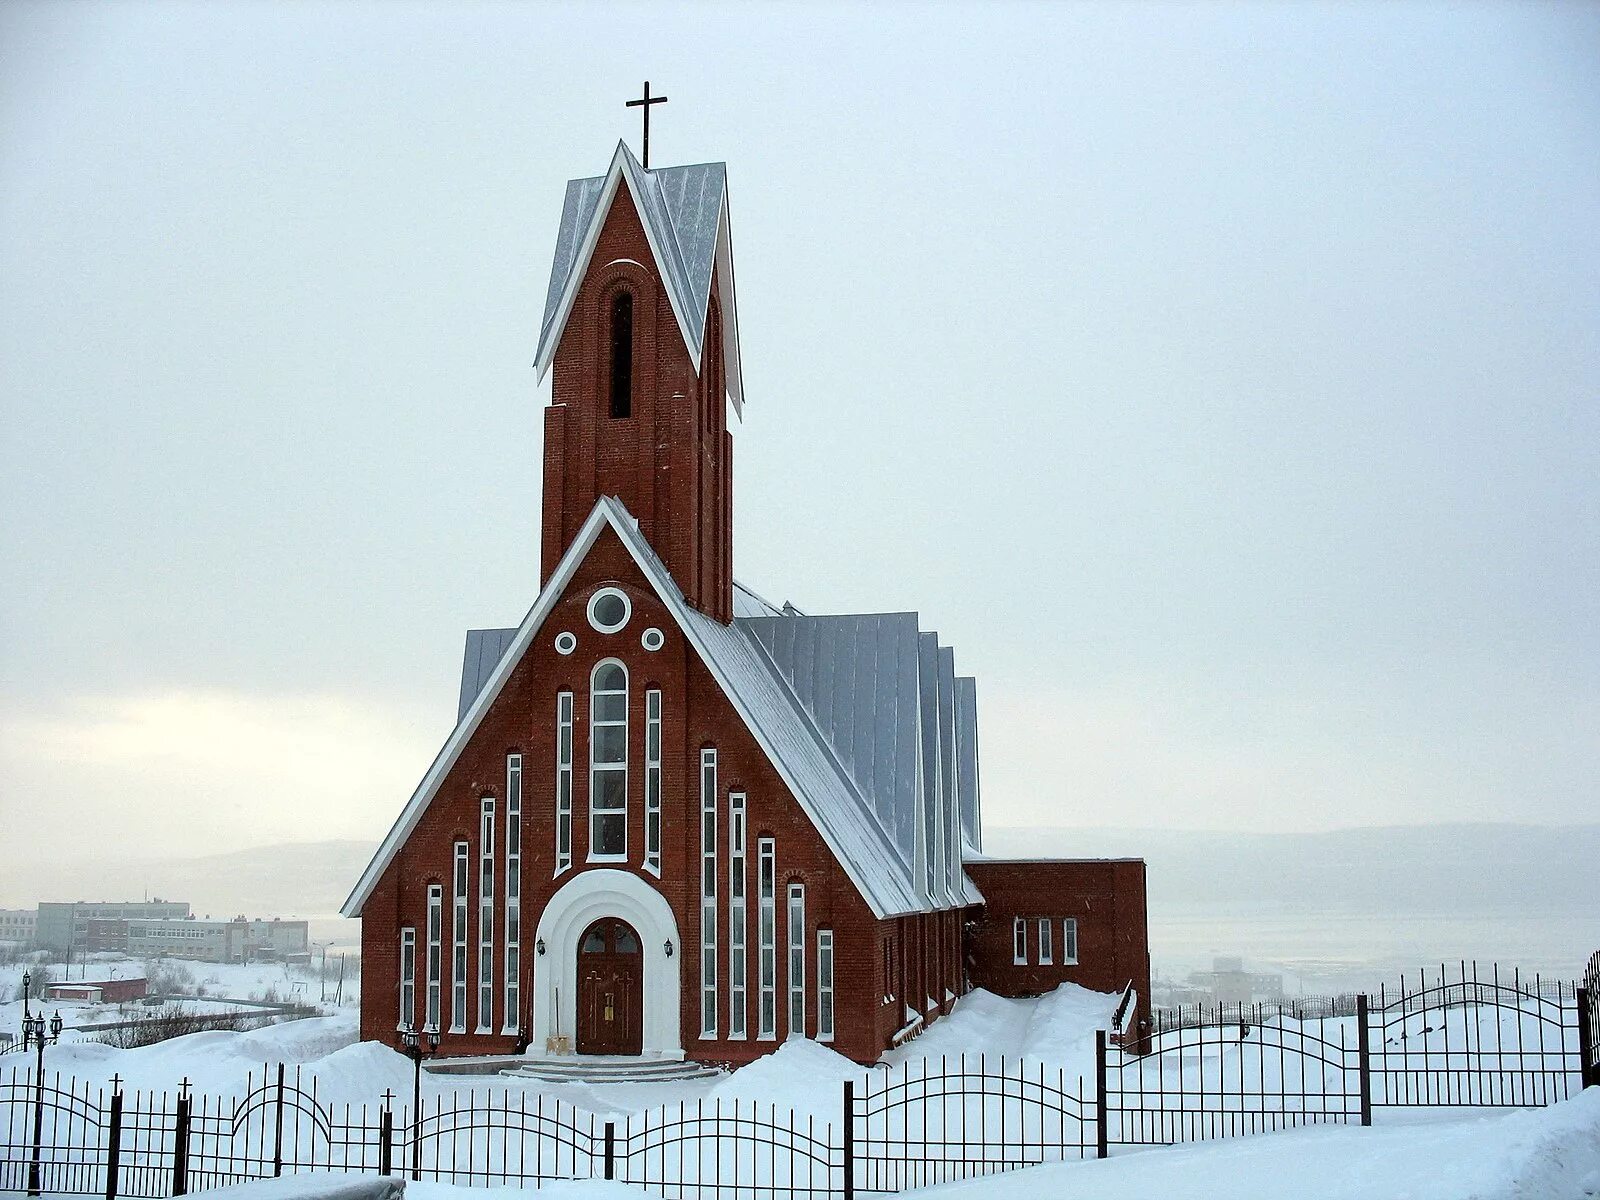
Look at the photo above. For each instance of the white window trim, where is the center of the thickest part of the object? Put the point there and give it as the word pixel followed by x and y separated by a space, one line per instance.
pixel 460 884
pixel 1047 947
pixel 609 768
pixel 485 915
pixel 433 1013
pixel 408 977
pixel 767 935
pixel 627 609
pixel 564 783
pixel 825 994
pixel 795 927
pixel 1069 941
pixel 512 1014
pixel 1019 942
pixel 708 893
pixel 652 781
pixel 738 920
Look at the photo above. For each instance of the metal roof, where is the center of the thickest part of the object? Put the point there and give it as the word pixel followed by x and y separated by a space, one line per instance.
pixel 684 211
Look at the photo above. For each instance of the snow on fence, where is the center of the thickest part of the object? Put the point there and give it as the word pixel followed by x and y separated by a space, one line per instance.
pixel 1468 1039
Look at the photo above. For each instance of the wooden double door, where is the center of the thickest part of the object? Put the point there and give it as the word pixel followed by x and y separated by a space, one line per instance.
pixel 610 989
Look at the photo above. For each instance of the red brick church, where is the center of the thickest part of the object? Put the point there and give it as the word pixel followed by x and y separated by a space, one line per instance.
pixel 673 818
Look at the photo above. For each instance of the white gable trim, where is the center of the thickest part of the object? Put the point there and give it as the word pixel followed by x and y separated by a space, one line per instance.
pixel 722 264
pixel 606 512
pixel 621 171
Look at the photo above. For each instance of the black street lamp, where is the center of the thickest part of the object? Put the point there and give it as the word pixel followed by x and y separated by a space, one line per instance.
pixel 417 1046
pixel 34 1034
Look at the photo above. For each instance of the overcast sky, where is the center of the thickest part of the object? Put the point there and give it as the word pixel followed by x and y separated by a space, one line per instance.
pixel 1221 381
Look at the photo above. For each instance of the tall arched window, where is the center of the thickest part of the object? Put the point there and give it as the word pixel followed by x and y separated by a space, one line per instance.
pixel 608 762
pixel 622 355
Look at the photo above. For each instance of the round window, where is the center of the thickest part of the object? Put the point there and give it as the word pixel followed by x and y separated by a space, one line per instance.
pixel 653 639
pixel 609 610
pixel 566 643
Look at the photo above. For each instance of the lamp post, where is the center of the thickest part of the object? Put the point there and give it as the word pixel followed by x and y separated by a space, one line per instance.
pixel 34 1033
pixel 417 1046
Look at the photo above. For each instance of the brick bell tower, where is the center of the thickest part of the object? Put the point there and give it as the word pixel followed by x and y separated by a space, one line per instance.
pixel 640 333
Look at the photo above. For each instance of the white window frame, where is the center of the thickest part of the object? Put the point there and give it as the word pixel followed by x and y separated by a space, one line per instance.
pixel 767 933
pixel 408 977
pixel 652 781
pixel 1019 942
pixel 485 915
pixel 795 926
pixel 435 956
pixel 512 1015
pixel 1069 941
pixel 738 916
pixel 1047 948
pixel 460 885
pixel 825 1016
pixel 708 892
pixel 594 602
pixel 596 769
pixel 564 736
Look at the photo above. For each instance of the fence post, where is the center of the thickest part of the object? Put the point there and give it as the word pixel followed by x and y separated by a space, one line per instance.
pixel 277 1132
pixel 386 1136
pixel 114 1143
pixel 1364 1052
pixel 180 1145
pixel 1588 1068
pixel 1100 1107
pixel 849 1139
pixel 611 1149
pixel 35 1184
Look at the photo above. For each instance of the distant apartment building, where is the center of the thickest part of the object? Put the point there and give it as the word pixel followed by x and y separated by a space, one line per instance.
pixel 238 940
pixel 65 926
pixel 19 926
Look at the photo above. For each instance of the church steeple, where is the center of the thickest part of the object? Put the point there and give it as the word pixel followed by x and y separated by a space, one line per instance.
pixel 640 332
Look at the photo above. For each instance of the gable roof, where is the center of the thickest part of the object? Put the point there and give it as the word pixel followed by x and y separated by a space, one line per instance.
pixel 684 211
pixel 839 809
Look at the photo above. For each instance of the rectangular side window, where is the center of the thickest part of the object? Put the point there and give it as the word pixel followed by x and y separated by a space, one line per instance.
pixel 408 977
pixel 1046 941
pixel 736 915
pixel 1019 941
pixel 486 914
pixel 708 892
pixel 824 985
pixel 652 780
pixel 563 781
pixel 797 960
pixel 767 933
pixel 513 1004
pixel 435 952
pixel 1069 940
pixel 458 939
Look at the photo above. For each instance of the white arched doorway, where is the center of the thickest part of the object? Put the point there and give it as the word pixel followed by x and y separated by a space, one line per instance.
pixel 586 898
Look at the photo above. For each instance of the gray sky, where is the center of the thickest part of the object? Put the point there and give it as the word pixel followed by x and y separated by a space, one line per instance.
pixel 1221 381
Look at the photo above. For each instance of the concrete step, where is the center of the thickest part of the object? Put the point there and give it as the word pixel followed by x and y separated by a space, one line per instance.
pixel 580 1068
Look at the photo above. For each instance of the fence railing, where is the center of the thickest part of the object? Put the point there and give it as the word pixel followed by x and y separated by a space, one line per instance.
pixel 1467 1039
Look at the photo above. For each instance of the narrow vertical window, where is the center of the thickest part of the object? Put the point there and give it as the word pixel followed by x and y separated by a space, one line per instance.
pixel 485 914
pixel 737 915
pixel 435 952
pixel 1019 941
pixel 608 763
pixel 563 781
pixel 797 960
pixel 708 892
pixel 408 977
pixel 458 938
pixel 652 781
pixel 1047 949
pixel 767 933
pixel 1069 941
pixel 513 1004
pixel 622 355
pixel 824 985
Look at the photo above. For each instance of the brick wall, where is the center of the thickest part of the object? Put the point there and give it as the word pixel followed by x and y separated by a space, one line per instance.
pixel 1105 896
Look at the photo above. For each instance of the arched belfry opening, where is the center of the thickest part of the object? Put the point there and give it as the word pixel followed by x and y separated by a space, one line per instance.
pixel 622 355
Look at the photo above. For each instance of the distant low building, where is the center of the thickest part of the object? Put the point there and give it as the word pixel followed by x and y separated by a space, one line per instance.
pixel 19 926
pixel 109 991
pixel 65 926
pixel 237 940
pixel 1229 983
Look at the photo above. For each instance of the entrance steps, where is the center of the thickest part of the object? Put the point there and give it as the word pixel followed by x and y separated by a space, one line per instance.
pixel 598 1068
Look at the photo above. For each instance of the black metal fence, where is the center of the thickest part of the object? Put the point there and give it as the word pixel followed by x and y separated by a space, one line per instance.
pixel 1466 1038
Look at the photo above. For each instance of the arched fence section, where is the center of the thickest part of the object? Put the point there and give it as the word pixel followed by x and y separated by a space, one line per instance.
pixel 1445 1038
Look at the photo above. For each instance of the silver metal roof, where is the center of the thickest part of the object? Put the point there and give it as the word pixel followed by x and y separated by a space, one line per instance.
pixel 485 648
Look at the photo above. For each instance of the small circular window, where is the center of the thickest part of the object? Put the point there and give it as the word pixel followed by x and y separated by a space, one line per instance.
pixel 609 610
pixel 566 643
pixel 653 639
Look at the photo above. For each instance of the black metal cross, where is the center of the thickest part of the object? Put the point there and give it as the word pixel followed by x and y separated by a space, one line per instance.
pixel 645 103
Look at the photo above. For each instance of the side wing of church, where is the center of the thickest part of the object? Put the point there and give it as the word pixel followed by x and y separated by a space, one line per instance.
pixel 673 818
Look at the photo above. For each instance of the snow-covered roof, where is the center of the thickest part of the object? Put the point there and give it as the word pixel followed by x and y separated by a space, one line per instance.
pixel 684 211
pixel 859 811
